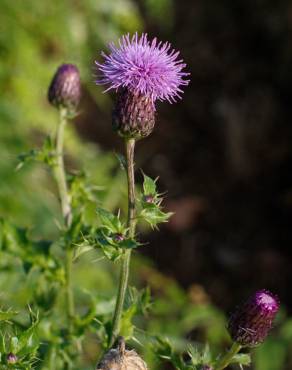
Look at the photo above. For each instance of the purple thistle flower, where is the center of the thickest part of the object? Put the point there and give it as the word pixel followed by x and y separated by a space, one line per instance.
pixel 65 88
pixel 142 72
pixel 148 68
pixel 11 358
pixel 252 321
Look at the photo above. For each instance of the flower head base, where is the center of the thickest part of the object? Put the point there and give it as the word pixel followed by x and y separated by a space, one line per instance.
pixel 65 88
pixel 250 324
pixel 133 115
pixel 142 71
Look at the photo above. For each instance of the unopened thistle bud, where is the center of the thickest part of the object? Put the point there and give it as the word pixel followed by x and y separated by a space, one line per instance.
pixel 65 88
pixel 142 72
pixel 121 359
pixel 251 322
pixel 11 358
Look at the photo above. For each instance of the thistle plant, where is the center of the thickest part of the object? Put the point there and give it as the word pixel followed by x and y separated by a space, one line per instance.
pixel 65 93
pixel 141 72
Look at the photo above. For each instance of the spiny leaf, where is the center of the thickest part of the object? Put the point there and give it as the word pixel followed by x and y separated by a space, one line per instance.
pixel 149 185
pixel 151 204
pixel 46 154
pixel 7 315
pixel 242 359
pixel 110 221
pixel 155 216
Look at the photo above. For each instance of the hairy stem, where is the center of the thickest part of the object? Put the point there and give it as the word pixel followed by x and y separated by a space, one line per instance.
pixel 125 264
pixel 66 211
pixel 224 361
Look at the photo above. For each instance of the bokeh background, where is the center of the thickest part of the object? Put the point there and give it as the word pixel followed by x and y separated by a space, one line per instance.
pixel 223 153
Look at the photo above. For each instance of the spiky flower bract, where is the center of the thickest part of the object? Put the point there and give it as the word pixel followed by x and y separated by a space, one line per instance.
pixel 65 88
pixel 251 322
pixel 142 72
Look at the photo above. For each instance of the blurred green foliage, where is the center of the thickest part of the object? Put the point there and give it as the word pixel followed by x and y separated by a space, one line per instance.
pixel 35 37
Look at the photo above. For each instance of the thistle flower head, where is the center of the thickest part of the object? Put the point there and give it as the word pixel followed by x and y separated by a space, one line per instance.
pixel 149 68
pixel 65 88
pixel 251 322
pixel 11 358
pixel 142 72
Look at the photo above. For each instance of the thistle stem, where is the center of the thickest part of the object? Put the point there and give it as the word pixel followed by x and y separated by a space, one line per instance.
pixel 224 361
pixel 131 223
pixel 60 176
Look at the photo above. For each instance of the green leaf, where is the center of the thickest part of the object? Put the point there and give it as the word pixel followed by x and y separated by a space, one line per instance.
pixel 46 154
pixel 113 244
pixel 7 315
pixel 242 359
pixel 199 355
pixel 164 350
pixel 72 235
pixel 28 341
pixel 154 215
pixel 127 326
pixel 82 193
pixel 151 201
pixel 110 221
pixel 13 345
pixel 149 185
pixel 140 299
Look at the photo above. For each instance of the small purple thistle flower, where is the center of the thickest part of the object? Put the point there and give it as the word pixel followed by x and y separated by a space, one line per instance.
pixel 11 358
pixel 142 71
pixel 65 88
pixel 118 237
pixel 207 367
pixel 252 321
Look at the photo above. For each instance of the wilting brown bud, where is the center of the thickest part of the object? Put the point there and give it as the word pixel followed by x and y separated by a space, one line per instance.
pixel 133 115
pixel 121 359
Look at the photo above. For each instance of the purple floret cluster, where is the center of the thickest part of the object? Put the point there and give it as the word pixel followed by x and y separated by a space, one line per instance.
pixel 150 68
pixel 251 322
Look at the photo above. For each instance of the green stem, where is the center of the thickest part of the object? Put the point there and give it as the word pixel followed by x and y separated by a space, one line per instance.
pixel 124 274
pixel 66 212
pixel 60 170
pixel 69 292
pixel 227 358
